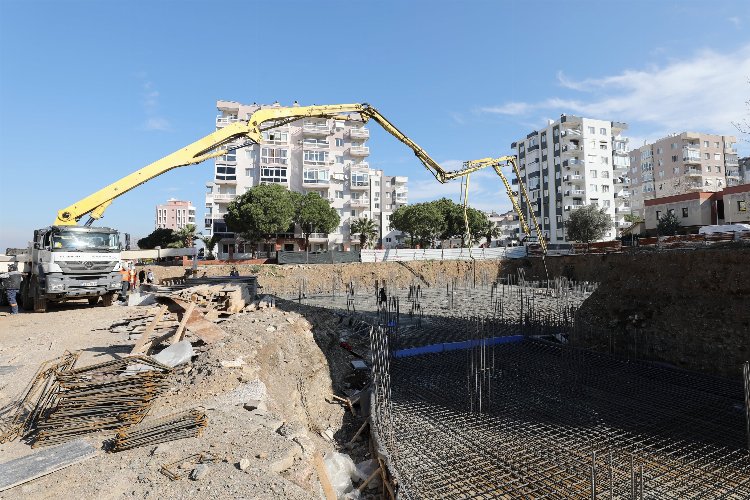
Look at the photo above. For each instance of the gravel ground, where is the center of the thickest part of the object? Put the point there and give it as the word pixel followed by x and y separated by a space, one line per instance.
pixel 293 352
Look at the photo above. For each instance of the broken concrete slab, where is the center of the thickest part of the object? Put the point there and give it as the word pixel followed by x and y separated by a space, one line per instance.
pixel 43 462
pixel 141 299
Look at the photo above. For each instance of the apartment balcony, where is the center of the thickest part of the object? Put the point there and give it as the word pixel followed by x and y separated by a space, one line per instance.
pixel 572 149
pixel 226 181
pixel 361 166
pixel 399 179
pixel 402 190
pixel 731 160
pixel 316 129
pixel 649 177
pixel 317 145
pixel 576 193
pixel 693 172
pixel 316 183
pixel 359 151
pixel 573 162
pixel 623 210
pixel 359 133
pixel 622 194
pixel 216 216
pixel 574 206
pixel 691 155
pixel 318 237
pixel 223 121
pixel 220 197
pixel 401 199
pixel 360 185
pixel 731 172
pixel 573 178
pixel 572 134
pixel 359 202
pixel 694 187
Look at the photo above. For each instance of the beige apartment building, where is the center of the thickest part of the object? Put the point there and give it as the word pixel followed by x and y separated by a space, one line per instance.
pixel 683 163
pixel 325 156
pixel 175 214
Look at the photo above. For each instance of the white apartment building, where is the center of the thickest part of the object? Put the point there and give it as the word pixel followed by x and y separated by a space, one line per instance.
pixel 507 225
pixel 175 214
pixel 689 162
pixel 326 156
pixel 574 161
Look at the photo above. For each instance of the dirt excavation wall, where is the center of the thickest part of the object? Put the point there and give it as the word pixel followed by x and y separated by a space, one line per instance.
pixel 690 309
pixel 320 278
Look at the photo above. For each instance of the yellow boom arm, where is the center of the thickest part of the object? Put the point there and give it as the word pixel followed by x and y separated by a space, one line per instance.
pixel 496 164
pixel 211 146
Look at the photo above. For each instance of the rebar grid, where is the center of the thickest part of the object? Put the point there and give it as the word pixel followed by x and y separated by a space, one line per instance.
pixel 543 434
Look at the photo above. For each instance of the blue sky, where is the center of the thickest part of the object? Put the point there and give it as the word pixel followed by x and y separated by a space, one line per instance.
pixel 91 91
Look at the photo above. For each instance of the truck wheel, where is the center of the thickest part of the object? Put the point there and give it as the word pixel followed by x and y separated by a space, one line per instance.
pixel 93 301
pixel 107 299
pixel 26 302
pixel 40 303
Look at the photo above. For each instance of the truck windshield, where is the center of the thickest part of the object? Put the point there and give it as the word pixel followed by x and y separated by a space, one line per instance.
pixel 82 240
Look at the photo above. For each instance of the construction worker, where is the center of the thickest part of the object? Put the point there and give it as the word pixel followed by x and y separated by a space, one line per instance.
pixel 142 277
pixel 125 275
pixel 133 276
pixel 12 283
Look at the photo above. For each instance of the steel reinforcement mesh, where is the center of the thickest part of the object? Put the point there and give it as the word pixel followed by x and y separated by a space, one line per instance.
pixel 508 414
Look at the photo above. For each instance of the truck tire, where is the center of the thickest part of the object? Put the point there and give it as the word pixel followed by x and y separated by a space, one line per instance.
pixel 40 302
pixel 93 300
pixel 107 299
pixel 26 302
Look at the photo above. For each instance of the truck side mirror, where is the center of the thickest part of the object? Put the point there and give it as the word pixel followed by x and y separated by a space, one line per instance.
pixel 36 245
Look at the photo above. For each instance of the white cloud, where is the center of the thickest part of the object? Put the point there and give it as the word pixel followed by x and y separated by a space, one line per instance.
pixel 735 20
pixel 702 93
pixel 156 123
pixel 150 102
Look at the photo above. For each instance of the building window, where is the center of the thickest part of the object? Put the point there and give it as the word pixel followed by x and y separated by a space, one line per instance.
pixel 674 158
pixel 707 156
pixel 658 214
pixel 592 174
pixel 339 195
pixel 248 172
pixel 676 170
pixel 670 211
pixel 340 160
pixel 275 137
pixel 592 130
pixel 593 188
pixel 705 144
pixel 605 160
pixel 708 168
pixel 605 188
pixel 312 157
pixel 603 131
pixel 354 212
pixel 605 203
pixel 377 205
pixel 717 156
pixel 602 146
pixel 559 219
pixel 718 169
pixel 742 205
pixel 605 174
pixel 269 175
pixel 684 211
pixel 274 156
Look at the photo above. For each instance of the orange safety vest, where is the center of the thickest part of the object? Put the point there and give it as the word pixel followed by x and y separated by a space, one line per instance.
pixel 125 274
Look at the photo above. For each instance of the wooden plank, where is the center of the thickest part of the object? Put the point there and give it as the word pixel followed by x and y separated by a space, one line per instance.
pixel 200 326
pixel 43 462
pixel 325 482
pixel 178 334
pixel 149 330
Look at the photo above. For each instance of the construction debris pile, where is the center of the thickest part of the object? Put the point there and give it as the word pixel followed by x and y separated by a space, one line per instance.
pixel 181 425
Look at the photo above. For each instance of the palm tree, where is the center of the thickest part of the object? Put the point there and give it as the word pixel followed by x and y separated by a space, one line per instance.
pixel 209 242
pixel 491 231
pixel 185 236
pixel 366 229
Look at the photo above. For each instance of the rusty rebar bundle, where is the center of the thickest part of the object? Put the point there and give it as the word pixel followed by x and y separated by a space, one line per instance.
pixel 170 428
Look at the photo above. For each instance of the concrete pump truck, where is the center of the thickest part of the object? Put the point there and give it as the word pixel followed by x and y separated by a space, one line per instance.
pixel 66 261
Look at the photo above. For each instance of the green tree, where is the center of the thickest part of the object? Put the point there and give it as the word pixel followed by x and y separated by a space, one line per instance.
pixel 454 221
pixel 161 237
pixel 588 223
pixel 261 212
pixel 668 225
pixel 210 242
pixel 185 237
pixel 366 229
pixel 490 231
pixel 428 223
pixel 401 220
pixel 314 214
pixel 633 219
